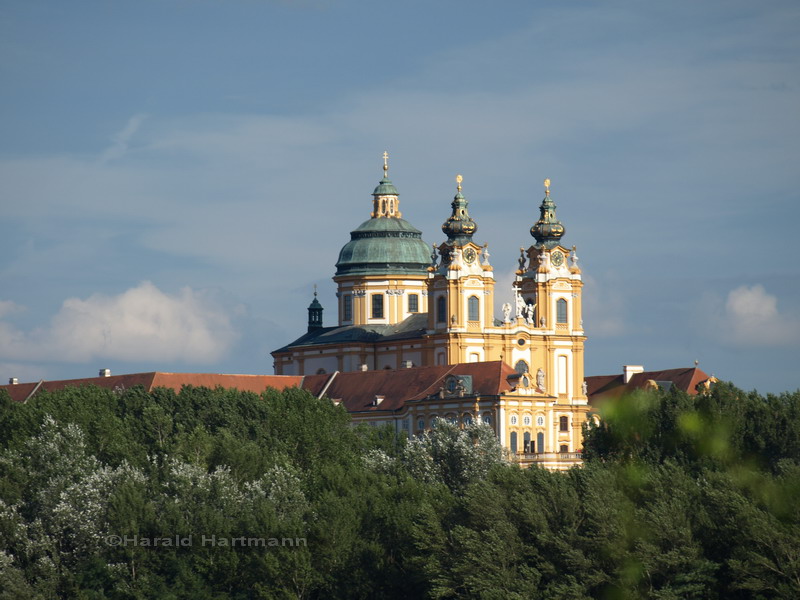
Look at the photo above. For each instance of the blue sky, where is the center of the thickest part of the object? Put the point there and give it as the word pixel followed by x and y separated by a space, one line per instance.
pixel 177 175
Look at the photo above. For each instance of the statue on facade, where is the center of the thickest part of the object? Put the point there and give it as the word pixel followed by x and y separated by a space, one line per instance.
pixel 506 313
pixel 485 255
pixel 455 262
pixel 585 388
pixel 528 312
pixel 543 259
pixel 434 256
pixel 520 305
pixel 522 259
pixel 540 379
pixel 542 321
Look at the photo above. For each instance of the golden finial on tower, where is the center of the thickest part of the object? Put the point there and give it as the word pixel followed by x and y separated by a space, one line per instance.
pixel 459 179
pixel 385 163
pixel 546 187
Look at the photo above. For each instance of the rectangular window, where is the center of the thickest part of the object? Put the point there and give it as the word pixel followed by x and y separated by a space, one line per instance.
pixel 563 424
pixel 377 306
pixel 347 310
pixel 441 309
pixel 413 303
pixel 563 374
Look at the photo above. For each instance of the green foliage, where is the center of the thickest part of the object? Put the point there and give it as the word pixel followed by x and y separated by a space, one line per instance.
pixel 680 497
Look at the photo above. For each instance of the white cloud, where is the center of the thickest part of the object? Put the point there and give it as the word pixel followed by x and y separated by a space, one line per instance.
pixel 7 307
pixel 142 323
pixel 751 317
pixel 122 139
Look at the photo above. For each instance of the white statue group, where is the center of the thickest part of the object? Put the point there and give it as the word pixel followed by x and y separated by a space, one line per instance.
pixel 525 310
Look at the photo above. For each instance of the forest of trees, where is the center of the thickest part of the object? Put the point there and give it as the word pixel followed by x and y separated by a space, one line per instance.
pixel 679 497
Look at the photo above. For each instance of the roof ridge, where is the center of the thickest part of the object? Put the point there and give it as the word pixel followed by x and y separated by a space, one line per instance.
pixel 438 379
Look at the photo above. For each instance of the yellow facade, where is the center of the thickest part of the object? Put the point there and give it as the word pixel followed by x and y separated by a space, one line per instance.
pixel 445 315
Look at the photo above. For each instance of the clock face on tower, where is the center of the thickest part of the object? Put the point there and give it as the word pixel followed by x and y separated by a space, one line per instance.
pixel 469 255
pixel 557 258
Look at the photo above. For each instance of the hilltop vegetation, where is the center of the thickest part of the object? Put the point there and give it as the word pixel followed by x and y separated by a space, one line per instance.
pixel 680 497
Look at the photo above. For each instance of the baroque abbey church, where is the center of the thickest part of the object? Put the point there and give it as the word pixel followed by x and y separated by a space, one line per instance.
pixel 418 322
pixel 417 339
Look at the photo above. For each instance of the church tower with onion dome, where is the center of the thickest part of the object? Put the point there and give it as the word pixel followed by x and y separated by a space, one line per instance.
pixel 404 304
pixel 547 290
pixel 461 290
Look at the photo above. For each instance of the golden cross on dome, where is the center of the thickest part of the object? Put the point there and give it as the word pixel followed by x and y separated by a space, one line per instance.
pixel 385 162
pixel 547 187
pixel 459 179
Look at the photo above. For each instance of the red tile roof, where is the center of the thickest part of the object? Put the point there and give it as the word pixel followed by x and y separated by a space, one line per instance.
pixel 249 383
pixel 357 390
pixel 604 387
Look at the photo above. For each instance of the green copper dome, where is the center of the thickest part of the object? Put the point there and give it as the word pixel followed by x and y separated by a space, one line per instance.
pixel 385 188
pixel 459 227
pixel 548 230
pixel 387 245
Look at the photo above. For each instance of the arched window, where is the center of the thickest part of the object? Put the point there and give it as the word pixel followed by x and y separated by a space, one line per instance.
pixel 487 419
pixel 467 419
pixel 514 442
pixel 526 443
pixel 561 311
pixel 473 309
pixel 441 309
pixel 521 367
pixel 413 303
pixel 540 442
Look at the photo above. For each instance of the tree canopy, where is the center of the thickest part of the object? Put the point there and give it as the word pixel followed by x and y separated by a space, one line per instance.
pixel 128 494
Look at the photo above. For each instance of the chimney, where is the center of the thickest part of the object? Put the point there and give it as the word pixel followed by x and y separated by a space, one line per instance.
pixel 407 364
pixel 364 367
pixel 105 373
pixel 13 381
pixel 628 371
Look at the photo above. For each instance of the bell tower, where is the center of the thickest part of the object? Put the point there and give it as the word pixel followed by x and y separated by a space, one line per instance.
pixel 461 290
pixel 548 289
